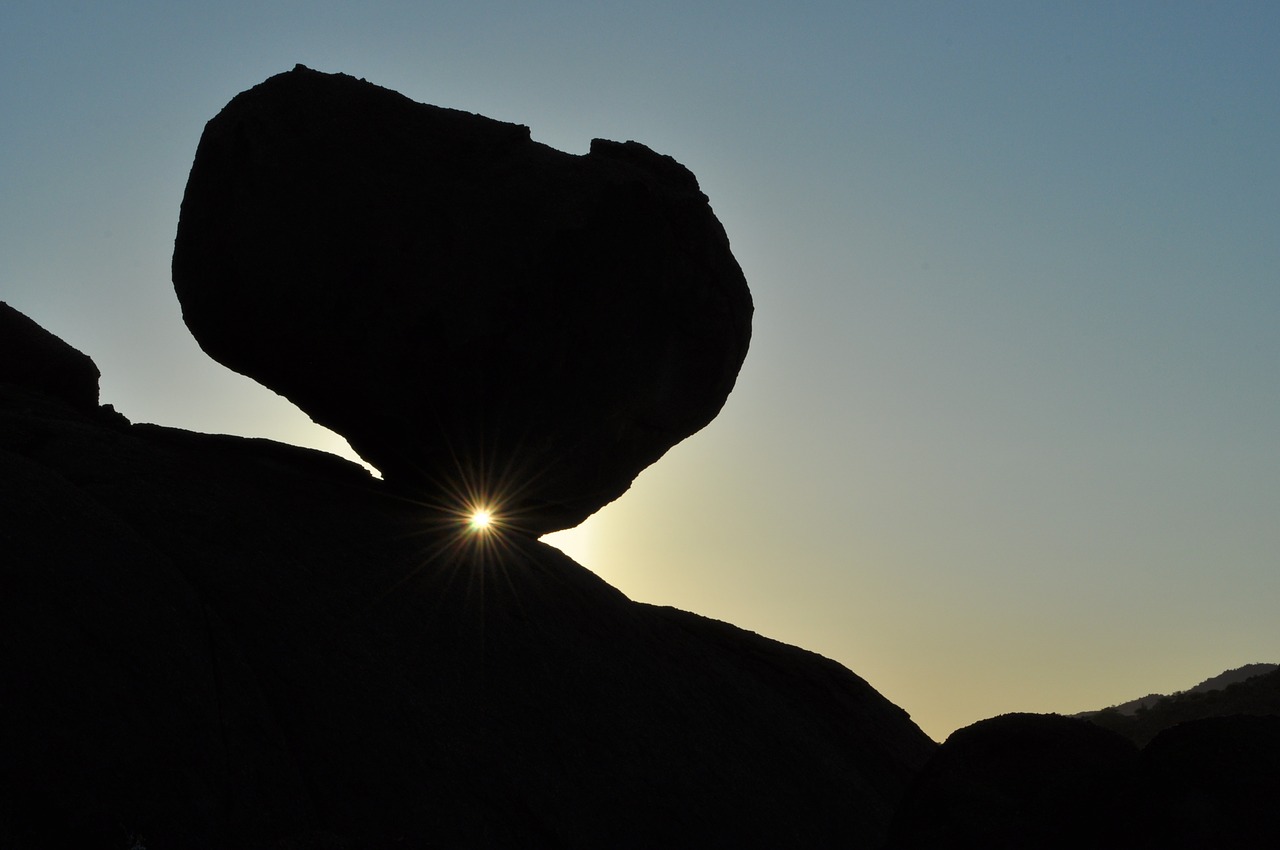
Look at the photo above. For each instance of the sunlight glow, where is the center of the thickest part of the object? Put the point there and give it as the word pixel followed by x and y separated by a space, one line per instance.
pixel 480 521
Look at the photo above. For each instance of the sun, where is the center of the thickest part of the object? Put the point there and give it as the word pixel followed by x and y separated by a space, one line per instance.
pixel 481 520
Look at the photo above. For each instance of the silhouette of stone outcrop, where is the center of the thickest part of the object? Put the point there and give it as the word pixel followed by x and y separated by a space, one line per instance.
pixel 475 312
pixel 216 642
pixel 213 642
pixel 1047 781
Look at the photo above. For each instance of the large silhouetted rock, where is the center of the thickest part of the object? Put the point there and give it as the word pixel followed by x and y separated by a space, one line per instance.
pixel 476 312
pixel 218 642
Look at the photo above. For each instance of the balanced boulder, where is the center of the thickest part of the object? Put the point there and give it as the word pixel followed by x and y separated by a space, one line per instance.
pixel 484 318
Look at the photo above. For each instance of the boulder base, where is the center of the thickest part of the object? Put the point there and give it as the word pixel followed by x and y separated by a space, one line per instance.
pixel 213 642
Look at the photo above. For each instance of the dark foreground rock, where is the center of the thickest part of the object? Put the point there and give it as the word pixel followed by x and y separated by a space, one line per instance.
pixel 1213 782
pixel 229 643
pixel 1047 781
pixel 475 312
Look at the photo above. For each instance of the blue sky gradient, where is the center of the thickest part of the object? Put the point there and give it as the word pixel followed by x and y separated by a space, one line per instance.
pixel 1007 436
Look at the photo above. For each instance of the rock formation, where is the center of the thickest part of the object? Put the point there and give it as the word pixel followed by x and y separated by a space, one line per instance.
pixel 218 642
pixel 1047 781
pixel 481 316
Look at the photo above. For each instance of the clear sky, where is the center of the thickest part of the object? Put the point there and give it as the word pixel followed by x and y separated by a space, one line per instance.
pixel 1008 437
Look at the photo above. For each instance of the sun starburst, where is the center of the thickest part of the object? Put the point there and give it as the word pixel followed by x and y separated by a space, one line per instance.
pixel 480 521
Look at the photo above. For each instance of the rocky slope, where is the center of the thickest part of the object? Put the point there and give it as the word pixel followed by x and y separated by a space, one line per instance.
pixel 212 641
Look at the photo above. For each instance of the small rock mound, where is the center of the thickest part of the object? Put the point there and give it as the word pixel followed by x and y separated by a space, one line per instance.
pixel 34 359
pixel 1019 780
pixel 1046 781
pixel 483 317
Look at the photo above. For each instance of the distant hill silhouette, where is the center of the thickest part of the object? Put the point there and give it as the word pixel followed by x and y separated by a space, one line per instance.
pixel 1251 690
pixel 1239 674
pixel 1215 683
